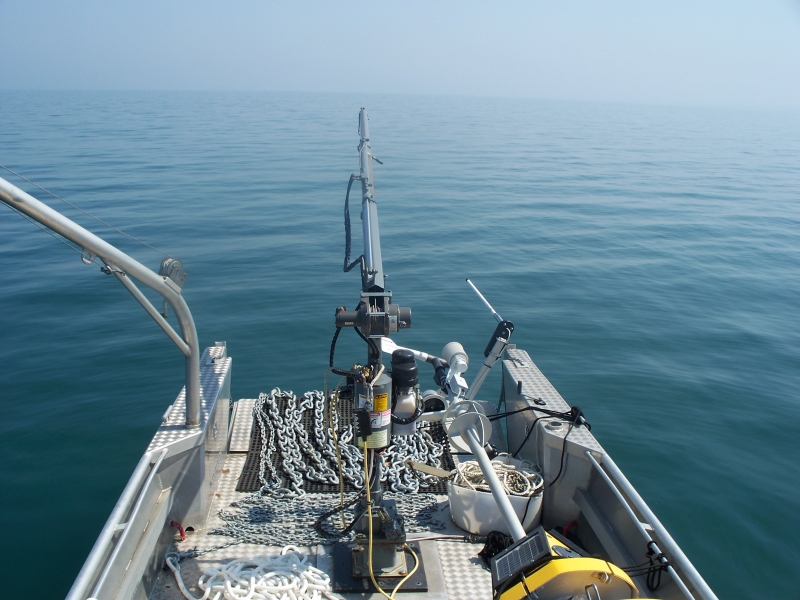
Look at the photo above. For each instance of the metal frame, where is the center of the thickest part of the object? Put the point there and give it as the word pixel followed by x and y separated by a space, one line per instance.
pixel 174 480
pixel 124 268
pixel 628 496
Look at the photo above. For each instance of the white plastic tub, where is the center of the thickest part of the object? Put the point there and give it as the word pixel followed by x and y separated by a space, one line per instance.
pixel 477 512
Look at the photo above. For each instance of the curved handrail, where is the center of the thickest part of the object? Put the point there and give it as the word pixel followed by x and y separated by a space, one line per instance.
pixel 124 267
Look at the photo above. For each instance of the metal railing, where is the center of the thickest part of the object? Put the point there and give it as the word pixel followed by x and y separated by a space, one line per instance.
pixel 627 495
pixel 123 267
pixel 100 555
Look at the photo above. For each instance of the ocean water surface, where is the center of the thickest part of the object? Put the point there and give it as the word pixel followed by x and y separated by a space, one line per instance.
pixel 648 256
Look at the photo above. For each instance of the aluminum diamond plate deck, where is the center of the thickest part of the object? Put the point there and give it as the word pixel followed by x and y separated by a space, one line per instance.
pixel 465 576
pixel 455 568
pixel 213 368
pixel 242 425
pixel 535 385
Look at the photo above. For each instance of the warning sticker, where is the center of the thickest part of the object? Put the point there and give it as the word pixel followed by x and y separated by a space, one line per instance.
pixel 379 439
pixel 380 419
pixel 381 402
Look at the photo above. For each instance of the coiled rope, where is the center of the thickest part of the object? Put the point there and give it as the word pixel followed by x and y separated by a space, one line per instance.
pixel 288 575
pixel 519 480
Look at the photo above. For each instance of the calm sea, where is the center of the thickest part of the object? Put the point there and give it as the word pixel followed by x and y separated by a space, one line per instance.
pixel 648 256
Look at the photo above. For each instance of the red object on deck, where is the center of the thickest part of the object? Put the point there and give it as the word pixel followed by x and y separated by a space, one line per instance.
pixel 180 528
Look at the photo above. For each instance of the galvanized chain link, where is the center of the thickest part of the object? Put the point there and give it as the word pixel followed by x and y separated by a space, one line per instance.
pixel 275 520
pixel 289 456
pixel 284 436
pixel 266 474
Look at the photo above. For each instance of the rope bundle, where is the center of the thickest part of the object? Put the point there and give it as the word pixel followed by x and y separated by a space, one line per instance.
pixel 517 480
pixel 289 575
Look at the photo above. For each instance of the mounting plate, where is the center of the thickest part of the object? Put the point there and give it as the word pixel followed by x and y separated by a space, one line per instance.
pixel 343 580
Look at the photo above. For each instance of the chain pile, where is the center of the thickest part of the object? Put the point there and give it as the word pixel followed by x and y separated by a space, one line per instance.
pixel 276 520
pixel 301 456
pixel 283 513
pixel 519 480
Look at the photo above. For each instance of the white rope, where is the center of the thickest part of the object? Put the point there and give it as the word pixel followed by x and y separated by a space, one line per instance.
pixel 288 576
pixel 520 480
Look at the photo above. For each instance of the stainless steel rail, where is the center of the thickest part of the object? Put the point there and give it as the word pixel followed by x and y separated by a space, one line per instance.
pixel 124 540
pixel 124 267
pixel 628 495
pixel 99 553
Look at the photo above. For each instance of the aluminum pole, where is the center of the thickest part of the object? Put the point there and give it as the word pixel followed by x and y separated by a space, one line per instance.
pixel 500 496
pixel 54 220
pixel 373 263
pixel 667 544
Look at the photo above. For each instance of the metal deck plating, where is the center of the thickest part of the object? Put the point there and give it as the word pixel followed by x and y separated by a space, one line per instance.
pixel 453 568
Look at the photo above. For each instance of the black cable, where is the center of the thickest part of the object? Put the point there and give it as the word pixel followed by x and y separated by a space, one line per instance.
pixel 375 352
pixel 337 534
pixel 527 506
pixel 527 435
pixel 563 454
pixel 333 345
pixel 406 420
pixel 336 370
pixel 567 416
pixel 347 236
pixel 654 575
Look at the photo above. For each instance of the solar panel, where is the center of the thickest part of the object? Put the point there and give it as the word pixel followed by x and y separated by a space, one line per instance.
pixel 520 556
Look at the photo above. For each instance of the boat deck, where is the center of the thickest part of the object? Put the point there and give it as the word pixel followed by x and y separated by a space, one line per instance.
pixel 453 568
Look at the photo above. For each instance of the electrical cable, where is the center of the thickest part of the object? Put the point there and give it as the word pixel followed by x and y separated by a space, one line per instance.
pixel 353 373
pixel 318 524
pixel 374 350
pixel 527 435
pixel 563 454
pixel 405 546
pixel 347 235
pixel 333 345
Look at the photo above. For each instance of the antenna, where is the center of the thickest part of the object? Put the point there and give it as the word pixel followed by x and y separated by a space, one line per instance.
pixel 497 317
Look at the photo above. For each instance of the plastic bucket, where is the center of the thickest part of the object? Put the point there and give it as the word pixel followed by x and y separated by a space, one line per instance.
pixel 477 512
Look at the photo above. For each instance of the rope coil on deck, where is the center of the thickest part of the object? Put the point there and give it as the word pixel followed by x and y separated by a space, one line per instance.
pixel 519 480
pixel 289 575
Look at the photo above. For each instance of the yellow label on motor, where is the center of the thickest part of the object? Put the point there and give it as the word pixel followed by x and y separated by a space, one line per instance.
pixel 380 403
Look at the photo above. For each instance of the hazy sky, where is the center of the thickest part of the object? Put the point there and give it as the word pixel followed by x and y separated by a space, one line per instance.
pixel 732 52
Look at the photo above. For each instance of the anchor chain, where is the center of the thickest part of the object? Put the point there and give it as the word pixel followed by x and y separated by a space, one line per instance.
pixel 285 442
pixel 291 519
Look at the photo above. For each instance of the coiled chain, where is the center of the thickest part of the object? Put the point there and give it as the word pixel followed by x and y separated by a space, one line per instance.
pixel 302 457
